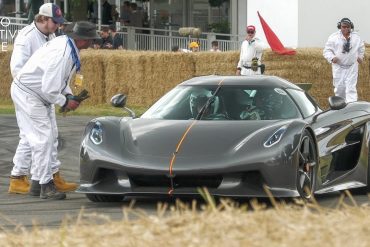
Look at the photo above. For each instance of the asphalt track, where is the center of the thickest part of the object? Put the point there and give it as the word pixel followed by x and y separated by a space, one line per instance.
pixel 27 211
pixel 24 210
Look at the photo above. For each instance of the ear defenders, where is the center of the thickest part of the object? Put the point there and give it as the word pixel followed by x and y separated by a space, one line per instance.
pixel 347 21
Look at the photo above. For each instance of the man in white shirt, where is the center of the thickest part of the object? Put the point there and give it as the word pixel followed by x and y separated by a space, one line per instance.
pixel 33 36
pixel 42 82
pixel 345 50
pixel 28 40
pixel 251 50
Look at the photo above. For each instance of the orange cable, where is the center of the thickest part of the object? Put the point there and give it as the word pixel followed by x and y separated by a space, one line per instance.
pixel 180 143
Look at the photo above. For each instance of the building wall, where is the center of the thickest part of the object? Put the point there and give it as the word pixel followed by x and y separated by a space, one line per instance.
pixel 318 19
pixel 281 16
pixel 303 23
pixel 241 15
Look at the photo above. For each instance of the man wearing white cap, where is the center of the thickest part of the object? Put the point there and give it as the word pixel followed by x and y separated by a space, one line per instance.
pixel 345 50
pixel 250 54
pixel 42 82
pixel 30 39
pixel 33 36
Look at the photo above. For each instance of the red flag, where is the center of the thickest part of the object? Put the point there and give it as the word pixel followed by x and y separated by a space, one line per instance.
pixel 273 40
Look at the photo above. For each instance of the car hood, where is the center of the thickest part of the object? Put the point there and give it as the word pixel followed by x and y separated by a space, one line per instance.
pixel 161 138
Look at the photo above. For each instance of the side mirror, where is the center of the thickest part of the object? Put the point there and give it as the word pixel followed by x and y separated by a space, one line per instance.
pixel 118 100
pixel 337 103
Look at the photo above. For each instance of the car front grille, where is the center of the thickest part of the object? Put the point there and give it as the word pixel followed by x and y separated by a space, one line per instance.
pixel 183 181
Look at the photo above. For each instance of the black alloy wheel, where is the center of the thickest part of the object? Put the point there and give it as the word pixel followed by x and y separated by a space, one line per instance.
pixel 307 166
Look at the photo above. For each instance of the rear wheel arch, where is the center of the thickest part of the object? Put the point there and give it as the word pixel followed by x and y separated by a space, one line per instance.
pixel 312 133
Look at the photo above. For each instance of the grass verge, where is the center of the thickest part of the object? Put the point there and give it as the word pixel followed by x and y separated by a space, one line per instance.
pixel 7 107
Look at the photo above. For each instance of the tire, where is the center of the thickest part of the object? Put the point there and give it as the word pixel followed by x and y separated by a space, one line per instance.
pixel 307 166
pixel 104 198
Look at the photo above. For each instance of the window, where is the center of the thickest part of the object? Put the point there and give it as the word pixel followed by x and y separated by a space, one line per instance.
pixel 304 103
pixel 230 103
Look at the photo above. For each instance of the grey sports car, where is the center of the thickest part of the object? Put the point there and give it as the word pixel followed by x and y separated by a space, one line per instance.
pixel 237 136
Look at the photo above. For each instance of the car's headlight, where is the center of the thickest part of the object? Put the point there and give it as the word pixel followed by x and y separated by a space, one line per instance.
pixel 276 137
pixel 96 133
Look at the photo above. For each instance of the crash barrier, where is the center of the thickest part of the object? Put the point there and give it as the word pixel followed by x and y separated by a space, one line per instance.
pixel 146 76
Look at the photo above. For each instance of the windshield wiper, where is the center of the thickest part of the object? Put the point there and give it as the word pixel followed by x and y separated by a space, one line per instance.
pixel 209 102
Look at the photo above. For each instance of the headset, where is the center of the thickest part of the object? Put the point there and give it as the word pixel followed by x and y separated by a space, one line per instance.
pixel 345 20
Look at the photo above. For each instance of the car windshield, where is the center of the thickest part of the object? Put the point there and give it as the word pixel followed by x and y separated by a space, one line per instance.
pixel 229 103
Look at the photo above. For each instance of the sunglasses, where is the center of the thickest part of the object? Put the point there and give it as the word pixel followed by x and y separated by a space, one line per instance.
pixel 250 32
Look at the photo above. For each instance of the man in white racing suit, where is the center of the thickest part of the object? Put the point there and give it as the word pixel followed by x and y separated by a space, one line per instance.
pixel 345 50
pixel 42 82
pixel 250 54
pixel 28 40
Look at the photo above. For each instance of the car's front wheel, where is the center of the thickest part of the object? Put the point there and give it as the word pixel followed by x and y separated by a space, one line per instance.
pixel 104 198
pixel 307 166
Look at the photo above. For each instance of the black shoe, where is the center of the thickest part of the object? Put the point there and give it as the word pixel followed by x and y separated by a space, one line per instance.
pixel 48 191
pixel 35 188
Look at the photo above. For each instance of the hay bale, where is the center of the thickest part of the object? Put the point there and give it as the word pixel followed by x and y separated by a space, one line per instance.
pixel 146 76
pixel 190 31
pixel 121 69
pixel 5 75
pixel 92 68
pixel 218 63
pixel 167 71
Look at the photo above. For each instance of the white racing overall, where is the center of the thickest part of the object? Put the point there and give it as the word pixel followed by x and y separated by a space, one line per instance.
pixel 41 83
pixel 28 40
pixel 345 72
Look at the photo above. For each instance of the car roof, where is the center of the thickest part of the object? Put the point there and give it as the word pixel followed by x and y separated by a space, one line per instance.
pixel 255 80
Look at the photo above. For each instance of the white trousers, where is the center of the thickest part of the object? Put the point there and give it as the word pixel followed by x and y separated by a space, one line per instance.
pixel 37 149
pixel 345 81
pixel 246 71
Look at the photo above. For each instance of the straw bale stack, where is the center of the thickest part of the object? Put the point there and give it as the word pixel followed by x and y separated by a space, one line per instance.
pixel 121 68
pixel 145 76
pixel 167 70
pixel 93 69
pixel 5 75
pixel 218 63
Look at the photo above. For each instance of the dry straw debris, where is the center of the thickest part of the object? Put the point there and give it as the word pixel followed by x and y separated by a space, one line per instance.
pixel 226 223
